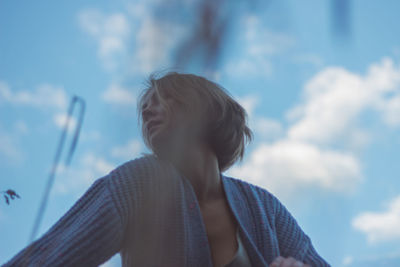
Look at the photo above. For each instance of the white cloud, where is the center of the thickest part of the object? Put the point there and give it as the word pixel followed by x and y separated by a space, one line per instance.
pixel 110 31
pixel 306 153
pixel 380 226
pixel 285 166
pixel 259 46
pixel 334 99
pixel 213 75
pixel 391 110
pixel 5 92
pixel 100 165
pixel 249 103
pixel 10 148
pixel 154 41
pixel 347 260
pixel 149 48
pixel 138 9
pixel 78 179
pixel 267 128
pixel 127 151
pixel 61 118
pixel 356 139
pixel 289 164
pixel 43 96
pixel 249 67
pixel 116 94
pixel 261 41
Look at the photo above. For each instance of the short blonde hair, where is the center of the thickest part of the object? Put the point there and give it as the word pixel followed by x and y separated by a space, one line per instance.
pixel 226 130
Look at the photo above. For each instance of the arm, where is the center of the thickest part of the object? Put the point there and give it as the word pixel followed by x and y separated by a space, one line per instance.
pixel 293 242
pixel 89 234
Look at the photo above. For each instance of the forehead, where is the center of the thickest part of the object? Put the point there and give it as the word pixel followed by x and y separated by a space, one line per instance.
pixel 150 95
pixel 153 95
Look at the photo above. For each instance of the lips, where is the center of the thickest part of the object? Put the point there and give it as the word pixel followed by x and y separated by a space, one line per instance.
pixel 152 128
pixel 151 124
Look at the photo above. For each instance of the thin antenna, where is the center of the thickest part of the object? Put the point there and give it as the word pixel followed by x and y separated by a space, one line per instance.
pixel 81 102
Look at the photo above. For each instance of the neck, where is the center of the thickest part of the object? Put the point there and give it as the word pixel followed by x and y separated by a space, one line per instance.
pixel 200 166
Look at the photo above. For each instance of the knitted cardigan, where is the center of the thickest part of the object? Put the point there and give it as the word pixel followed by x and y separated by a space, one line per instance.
pixel 147 211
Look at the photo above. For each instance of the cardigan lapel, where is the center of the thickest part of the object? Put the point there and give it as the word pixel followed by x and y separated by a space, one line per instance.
pixel 242 211
pixel 200 254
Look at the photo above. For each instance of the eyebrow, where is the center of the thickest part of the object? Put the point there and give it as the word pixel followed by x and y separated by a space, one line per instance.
pixel 154 97
pixel 148 99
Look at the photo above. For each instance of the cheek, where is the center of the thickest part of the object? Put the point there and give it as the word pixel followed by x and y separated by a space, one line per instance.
pixel 181 126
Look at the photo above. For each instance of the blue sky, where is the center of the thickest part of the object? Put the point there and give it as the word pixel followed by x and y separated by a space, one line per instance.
pixel 325 111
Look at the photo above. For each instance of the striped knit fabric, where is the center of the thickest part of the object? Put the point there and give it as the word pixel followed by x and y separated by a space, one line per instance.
pixel 148 212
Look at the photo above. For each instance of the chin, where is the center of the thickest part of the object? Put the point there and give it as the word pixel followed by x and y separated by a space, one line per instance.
pixel 160 144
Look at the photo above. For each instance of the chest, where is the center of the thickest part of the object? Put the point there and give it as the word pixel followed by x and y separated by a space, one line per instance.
pixel 221 227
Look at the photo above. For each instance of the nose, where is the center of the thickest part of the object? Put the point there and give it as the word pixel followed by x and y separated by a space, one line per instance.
pixel 151 108
pixel 148 112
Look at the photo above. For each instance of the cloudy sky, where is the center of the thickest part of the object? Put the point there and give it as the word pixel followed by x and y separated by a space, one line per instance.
pixel 324 106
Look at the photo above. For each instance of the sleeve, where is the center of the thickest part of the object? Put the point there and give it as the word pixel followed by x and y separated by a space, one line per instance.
pixel 292 239
pixel 88 234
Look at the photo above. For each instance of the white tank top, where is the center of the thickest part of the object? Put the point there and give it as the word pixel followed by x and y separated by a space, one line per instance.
pixel 241 259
